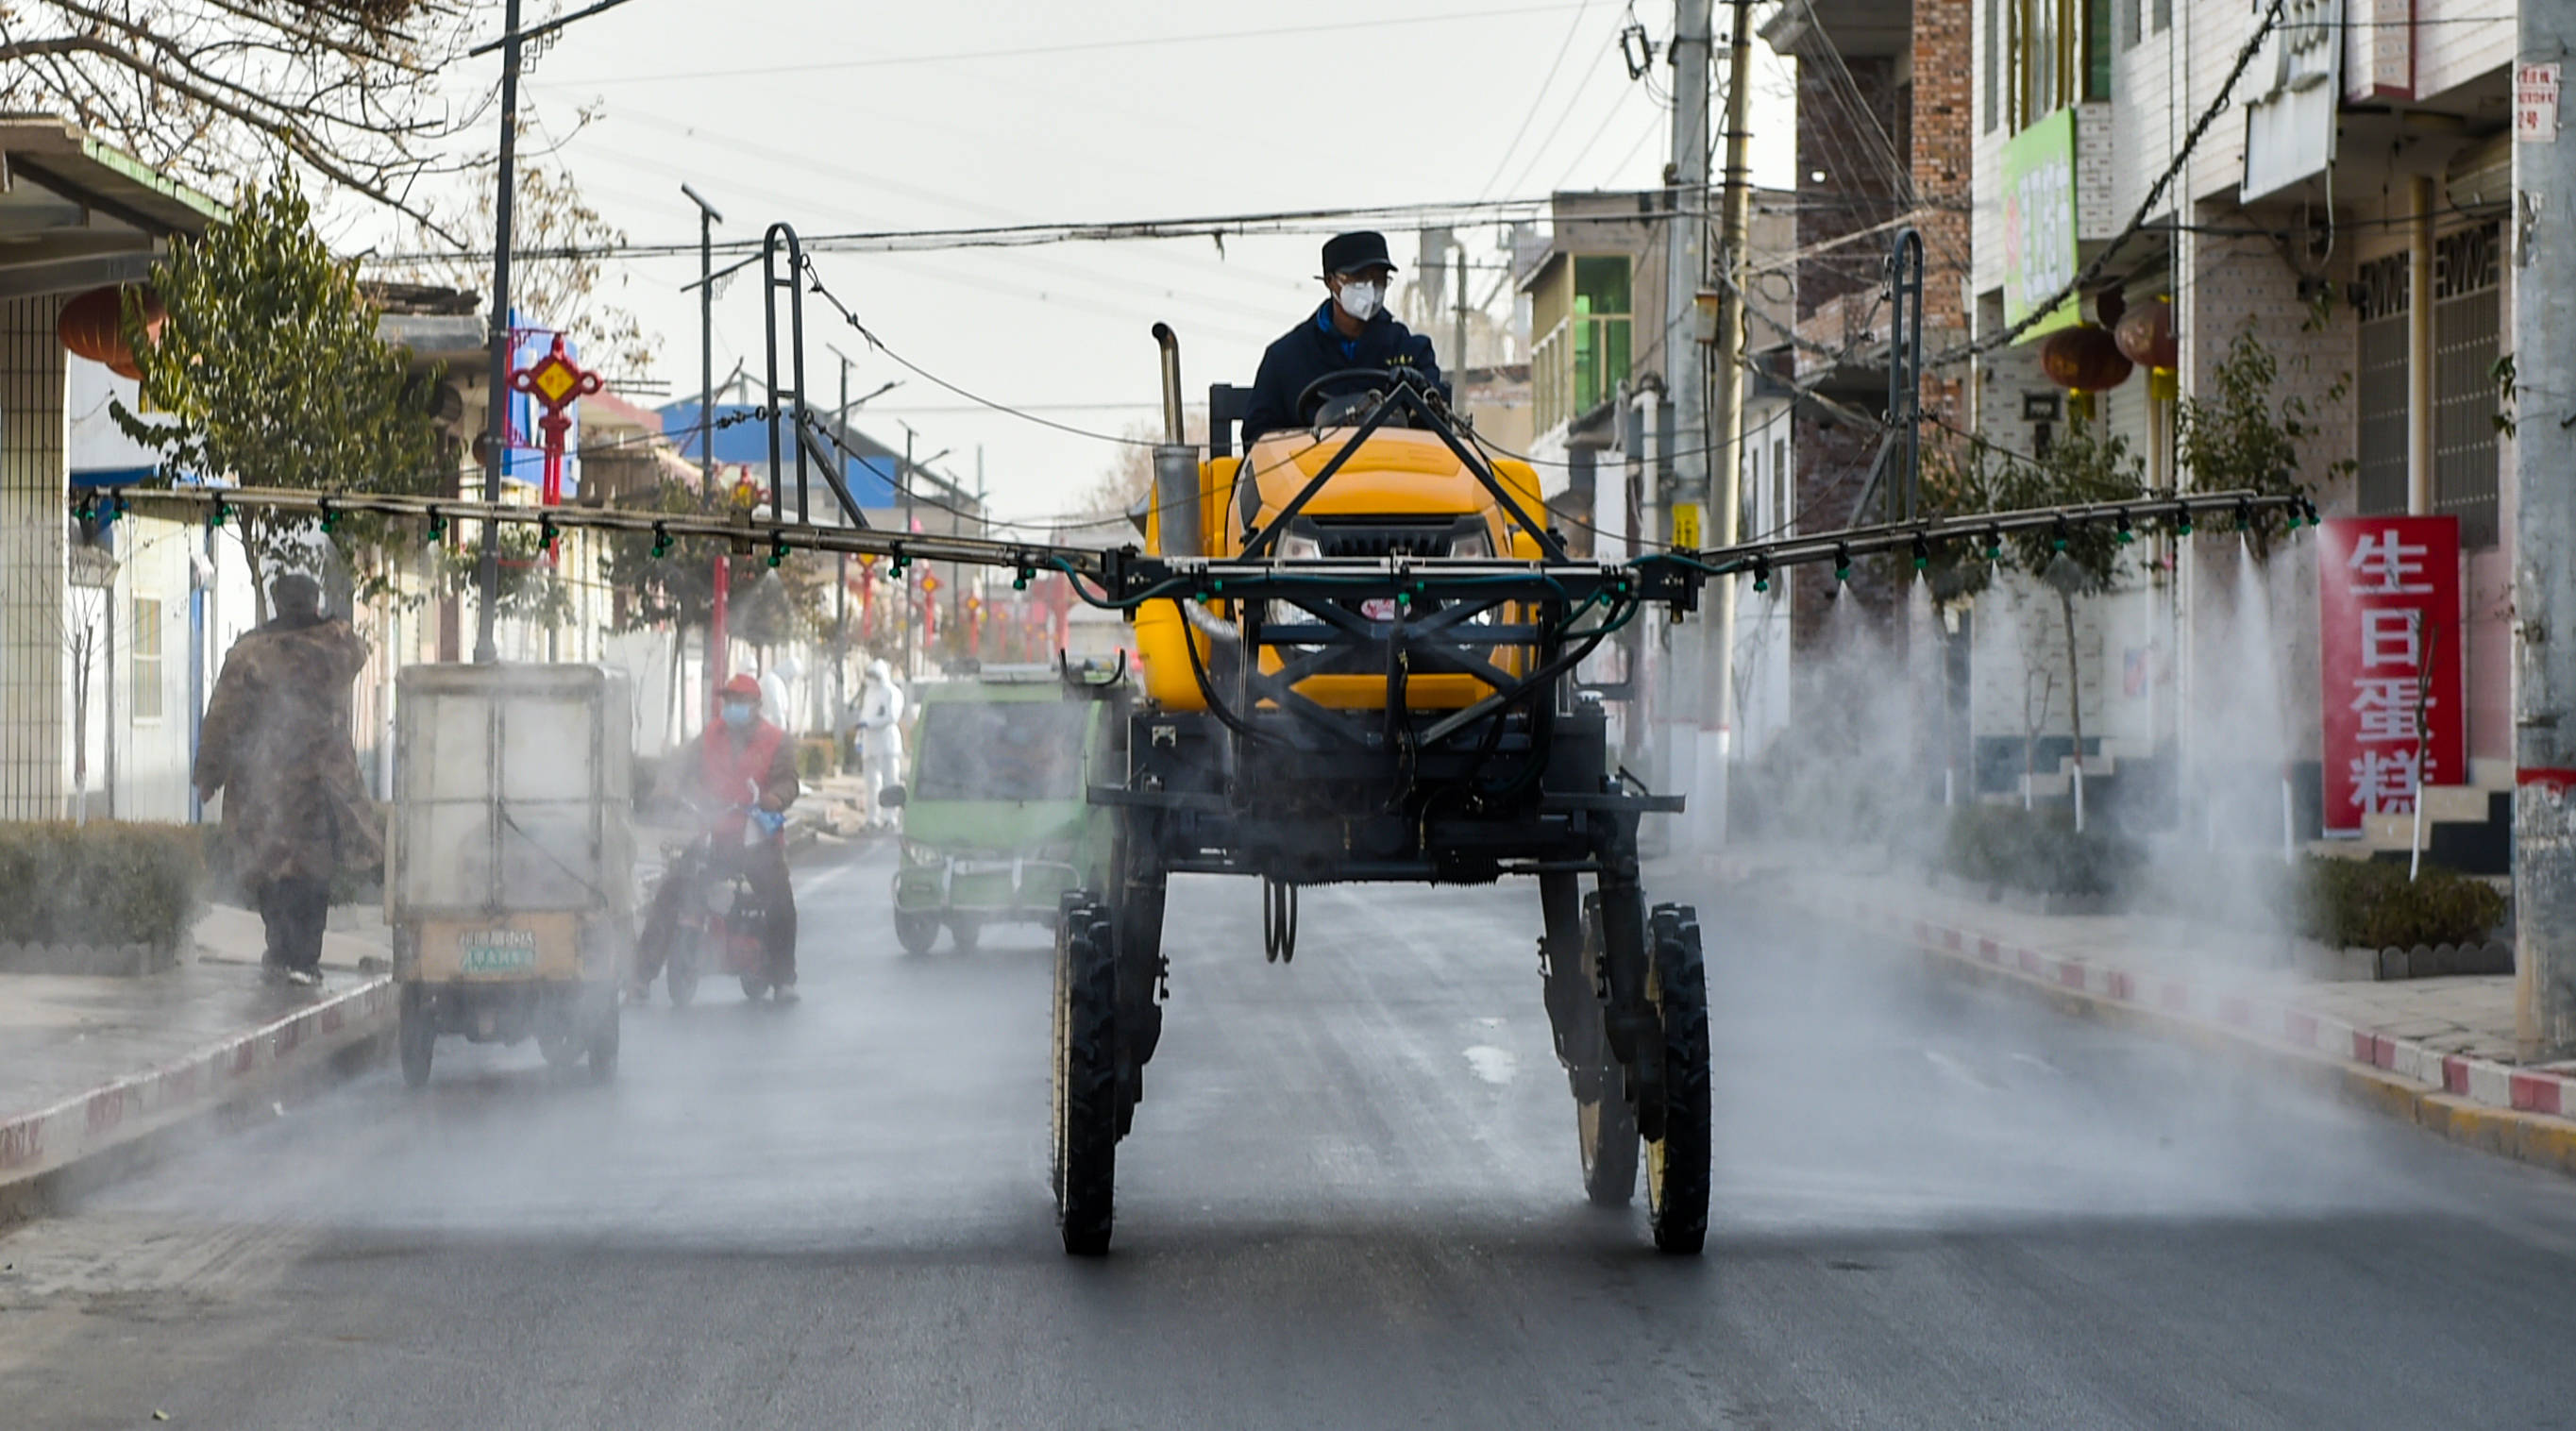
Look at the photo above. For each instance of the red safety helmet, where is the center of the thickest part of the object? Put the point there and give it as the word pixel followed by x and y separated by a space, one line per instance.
pixel 740 685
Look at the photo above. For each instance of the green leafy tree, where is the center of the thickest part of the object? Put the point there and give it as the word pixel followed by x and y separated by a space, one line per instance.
pixel 268 372
pixel 2233 436
pixel 2088 465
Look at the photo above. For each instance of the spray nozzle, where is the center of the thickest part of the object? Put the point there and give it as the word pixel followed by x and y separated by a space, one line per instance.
pixel 1922 551
pixel 777 549
pixel 1020 581
pixel 2057 534
pixel 1842 561
pixel 330 518
pixel 1994 544
pixel 661 541
pixel 216 517
pixel 2182 519
pixel 2120 522
pixel 1761 572
pixel 900 560
pixel 2310 509
pixel 546 534
pixel 437 527
pixel 2244 515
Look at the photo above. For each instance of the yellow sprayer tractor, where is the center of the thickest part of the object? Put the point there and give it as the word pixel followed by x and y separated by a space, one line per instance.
pixel 1357 641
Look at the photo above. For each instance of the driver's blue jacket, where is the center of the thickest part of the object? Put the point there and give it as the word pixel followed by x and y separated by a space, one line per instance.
pixel 1314 348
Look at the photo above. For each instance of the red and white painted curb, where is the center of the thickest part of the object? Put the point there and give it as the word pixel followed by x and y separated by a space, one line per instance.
pixel 49 1139
pixel 2248 1015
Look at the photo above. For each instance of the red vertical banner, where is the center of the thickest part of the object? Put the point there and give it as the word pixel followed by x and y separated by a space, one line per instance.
pixel 2389 638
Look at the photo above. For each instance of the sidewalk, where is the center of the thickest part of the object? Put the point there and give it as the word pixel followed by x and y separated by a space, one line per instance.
pixel 90 1065
pixel 2440 1050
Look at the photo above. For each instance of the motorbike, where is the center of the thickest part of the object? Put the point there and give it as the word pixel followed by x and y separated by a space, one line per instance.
pixel 720 925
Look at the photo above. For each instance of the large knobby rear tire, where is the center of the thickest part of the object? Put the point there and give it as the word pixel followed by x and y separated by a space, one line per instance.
pixel 415 1036
pixel 1086 1079
pixel 1677 1164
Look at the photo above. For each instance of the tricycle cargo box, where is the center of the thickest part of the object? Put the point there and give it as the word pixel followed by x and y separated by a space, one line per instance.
pixel 512 792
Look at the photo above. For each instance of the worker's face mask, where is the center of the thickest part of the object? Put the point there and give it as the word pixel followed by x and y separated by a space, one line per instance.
pixel 1359 299
pixel 737 714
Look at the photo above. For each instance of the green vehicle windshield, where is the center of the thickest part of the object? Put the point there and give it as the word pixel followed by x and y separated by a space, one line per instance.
pixel 999 750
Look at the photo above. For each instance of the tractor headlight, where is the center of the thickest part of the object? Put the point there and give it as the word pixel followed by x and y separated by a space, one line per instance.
pixel 1293 546
pixel 1472 546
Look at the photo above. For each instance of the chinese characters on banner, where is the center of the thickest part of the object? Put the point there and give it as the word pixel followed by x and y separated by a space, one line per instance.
pixel 2389 640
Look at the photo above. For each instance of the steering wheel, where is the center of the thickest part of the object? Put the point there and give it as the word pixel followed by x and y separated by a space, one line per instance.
pixel 1311 399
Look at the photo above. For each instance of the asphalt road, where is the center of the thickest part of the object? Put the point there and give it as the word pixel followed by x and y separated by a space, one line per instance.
pixel 1351 1200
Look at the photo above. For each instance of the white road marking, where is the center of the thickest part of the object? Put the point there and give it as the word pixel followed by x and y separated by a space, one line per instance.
pixel 1957 1070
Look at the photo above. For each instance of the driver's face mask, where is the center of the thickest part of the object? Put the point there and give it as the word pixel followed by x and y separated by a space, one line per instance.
pixel 1360 299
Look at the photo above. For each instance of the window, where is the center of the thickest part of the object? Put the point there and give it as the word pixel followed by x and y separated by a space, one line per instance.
pixel 2132 22
pixel 1994 48
pixel 146 650
pixel 2061 55
pixel 2467 271
pixel 1582 361
pixel 1000 750
pixel 2164 15
pixel 2097 49
pixel 2380 384
pixel 1780 514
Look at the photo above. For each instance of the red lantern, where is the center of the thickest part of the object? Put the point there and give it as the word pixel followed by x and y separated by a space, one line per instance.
pixel 2146 335
pixel 2085 359
pixel 93 326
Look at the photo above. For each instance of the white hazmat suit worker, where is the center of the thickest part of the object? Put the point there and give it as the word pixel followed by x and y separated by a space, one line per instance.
pixel 774 696
pixel 881 739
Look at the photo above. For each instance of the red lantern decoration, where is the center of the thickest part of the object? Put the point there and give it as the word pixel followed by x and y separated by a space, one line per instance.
pixel 2085 359
pixel 2146 335
pixel 93 326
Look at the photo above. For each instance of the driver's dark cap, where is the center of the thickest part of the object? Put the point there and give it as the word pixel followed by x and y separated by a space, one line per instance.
pixel 1350 253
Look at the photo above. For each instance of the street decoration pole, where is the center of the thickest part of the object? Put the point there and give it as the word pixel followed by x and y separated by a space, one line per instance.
pixel 496 423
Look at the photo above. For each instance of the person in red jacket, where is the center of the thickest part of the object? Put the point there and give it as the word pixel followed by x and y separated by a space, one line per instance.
pixel 743 771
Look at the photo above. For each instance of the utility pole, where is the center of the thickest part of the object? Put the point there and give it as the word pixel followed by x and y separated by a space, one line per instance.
pixel 1698 753
pixel 718 639
pixel 1458 266
pixel 841 579
pixel 1726 419
pixel 2544 563
pixel 496 421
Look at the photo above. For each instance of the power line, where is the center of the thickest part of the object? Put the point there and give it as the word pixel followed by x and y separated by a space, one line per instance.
pixel 1066 47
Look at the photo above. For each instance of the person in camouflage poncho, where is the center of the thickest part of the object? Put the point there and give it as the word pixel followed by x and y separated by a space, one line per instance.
pixel 276 742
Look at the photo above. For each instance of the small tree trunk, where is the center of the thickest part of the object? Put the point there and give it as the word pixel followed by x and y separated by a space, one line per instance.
pixel 2074 674
pixel 250 556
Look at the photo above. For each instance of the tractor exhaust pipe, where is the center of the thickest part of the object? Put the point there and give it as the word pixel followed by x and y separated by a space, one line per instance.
pixel 1176 462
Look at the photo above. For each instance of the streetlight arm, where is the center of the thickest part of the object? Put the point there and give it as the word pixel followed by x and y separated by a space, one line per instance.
pixel 548 28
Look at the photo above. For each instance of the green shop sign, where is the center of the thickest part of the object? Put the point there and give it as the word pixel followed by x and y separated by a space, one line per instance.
pixel 2039 222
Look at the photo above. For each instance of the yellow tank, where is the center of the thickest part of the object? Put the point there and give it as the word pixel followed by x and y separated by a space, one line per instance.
pixel 1400 487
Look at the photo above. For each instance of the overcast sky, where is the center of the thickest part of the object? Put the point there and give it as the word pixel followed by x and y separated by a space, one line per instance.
pixel 838 116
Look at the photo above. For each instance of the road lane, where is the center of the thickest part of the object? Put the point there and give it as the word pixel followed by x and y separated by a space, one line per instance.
pixel 1351 1200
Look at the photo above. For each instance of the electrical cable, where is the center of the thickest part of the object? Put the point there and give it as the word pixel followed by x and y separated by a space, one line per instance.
pixel 2092 271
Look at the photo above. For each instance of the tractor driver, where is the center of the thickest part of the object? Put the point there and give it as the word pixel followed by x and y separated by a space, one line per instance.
pixel 1350 330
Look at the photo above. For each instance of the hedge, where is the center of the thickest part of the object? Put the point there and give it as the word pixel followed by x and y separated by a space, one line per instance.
pixel 2370 904
pixel 107 882
pixel 2037 850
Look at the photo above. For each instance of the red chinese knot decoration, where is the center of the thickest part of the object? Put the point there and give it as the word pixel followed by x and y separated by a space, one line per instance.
pixel 556 382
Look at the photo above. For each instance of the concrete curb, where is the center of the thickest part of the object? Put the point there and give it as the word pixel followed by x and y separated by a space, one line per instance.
pixel 2495 1107
pixel 43 1145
